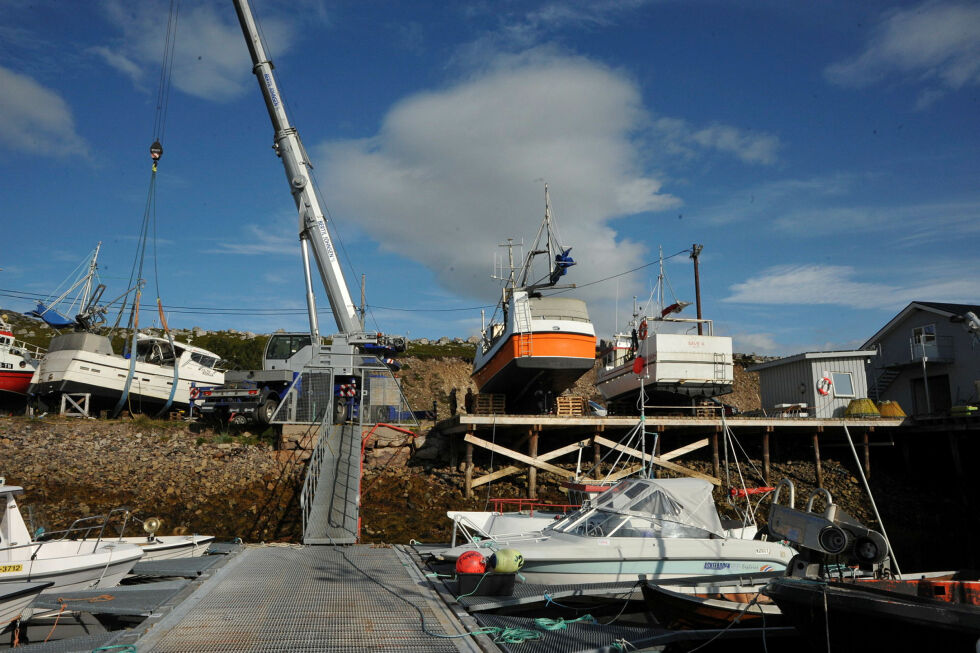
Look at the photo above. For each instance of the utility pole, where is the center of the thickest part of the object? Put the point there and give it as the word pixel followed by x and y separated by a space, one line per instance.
pixel 695 253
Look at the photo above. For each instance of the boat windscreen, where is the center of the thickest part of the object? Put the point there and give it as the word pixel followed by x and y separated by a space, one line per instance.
pixel 684 501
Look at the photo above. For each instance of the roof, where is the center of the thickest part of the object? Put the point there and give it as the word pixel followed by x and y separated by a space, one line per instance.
pixel 816 355
pixel 939 308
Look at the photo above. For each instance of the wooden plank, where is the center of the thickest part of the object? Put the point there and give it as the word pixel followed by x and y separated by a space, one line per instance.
pixel 677 453
pixel 659 461
pixel 512 469
pixel 516 455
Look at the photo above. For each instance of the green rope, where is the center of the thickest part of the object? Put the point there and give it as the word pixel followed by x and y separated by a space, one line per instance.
pixel 123 648
pixel 499 635
pixel 475 588
pixel 561 624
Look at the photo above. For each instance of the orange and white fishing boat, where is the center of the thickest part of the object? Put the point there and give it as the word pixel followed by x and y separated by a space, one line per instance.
pixel 534 346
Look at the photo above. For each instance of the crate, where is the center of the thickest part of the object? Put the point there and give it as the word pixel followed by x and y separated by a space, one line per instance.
pixel 571 406
pixel 489 584
pixel 489 404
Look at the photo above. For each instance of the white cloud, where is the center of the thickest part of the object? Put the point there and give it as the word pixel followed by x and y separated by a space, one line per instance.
pixel 211 60
pixel 453 173
pixel 809 285
pixel 682 138
pixel 756 343
pixel 36 119
pixel 259 240
pixel 935 42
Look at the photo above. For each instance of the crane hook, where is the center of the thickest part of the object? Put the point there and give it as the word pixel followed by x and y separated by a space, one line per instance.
pixel 156 151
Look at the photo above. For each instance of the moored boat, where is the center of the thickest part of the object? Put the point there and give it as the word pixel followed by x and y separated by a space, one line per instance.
pixel 535 346
pixel 17 597
pixel 664 528
pixel 69 564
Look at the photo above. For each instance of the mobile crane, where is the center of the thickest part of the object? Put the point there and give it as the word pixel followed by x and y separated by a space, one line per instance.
pixel 352 349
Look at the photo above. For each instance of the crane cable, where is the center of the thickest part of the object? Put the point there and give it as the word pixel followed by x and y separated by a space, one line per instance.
pixel 148 225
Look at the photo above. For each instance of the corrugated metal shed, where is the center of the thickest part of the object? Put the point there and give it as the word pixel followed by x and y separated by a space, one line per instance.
pixel 798 380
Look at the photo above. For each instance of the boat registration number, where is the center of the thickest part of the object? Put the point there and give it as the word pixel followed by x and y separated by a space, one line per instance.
pixel 10 568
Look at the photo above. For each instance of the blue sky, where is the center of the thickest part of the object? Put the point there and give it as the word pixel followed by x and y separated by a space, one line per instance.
pixel 825 154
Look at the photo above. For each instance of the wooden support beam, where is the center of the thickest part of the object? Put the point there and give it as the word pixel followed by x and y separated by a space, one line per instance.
pixel 468 478
pixel 677 453
pixel 867 453
pixel 766 469
pixel 816 456
pixel 715 460
pixel 658 461
pixel 513 469
pixel 517 455
pixel 532 472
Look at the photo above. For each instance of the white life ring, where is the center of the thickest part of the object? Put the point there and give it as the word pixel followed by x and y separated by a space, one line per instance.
pixel 824 385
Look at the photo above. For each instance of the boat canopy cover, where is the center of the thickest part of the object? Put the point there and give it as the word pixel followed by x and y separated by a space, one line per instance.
pixel 562 262
pixel 51 317
pixel 686 501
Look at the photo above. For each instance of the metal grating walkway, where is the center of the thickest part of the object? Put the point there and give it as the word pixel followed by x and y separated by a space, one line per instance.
pixel 309 599
pixel 335 509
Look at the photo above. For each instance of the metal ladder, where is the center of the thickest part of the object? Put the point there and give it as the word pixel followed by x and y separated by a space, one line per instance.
pixel 522 329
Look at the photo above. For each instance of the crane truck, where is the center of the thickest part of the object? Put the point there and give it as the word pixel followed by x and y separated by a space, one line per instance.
pixel 354 358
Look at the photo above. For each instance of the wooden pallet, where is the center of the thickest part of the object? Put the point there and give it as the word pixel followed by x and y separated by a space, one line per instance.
pixel 489 404
pixel 571 406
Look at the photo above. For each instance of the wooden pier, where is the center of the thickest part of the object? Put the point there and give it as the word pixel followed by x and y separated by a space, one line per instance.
pixel 506 435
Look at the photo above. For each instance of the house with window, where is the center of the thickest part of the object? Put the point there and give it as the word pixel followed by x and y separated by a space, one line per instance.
pixel 813 384
pixel 928 358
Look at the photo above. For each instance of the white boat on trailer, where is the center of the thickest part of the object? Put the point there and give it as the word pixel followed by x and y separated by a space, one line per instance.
pixel 69 564
pixel 663 528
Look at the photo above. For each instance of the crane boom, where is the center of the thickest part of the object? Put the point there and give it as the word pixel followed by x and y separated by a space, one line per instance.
pixel 312 220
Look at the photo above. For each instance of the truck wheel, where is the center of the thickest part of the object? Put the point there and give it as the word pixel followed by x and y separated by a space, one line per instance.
pixel 264 413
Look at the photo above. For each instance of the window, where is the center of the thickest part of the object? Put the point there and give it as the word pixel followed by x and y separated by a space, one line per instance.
pixel 843 387
pixel 924 335
pixel 284 346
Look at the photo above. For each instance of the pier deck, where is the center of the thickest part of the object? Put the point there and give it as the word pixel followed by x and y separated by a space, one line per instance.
pixel 294 598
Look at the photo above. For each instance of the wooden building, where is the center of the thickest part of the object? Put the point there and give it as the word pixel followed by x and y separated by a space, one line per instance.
pixel 815 384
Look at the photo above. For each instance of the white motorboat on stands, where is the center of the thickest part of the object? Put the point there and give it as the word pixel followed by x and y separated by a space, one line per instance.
pixel 663 528
pixel 154 373
pixel 68 564
pixel 663 360
pixel 15 598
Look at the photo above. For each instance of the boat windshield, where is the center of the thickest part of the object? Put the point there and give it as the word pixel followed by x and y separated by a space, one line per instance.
pixel 648 508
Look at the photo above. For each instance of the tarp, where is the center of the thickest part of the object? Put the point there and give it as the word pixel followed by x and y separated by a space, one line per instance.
pixel 686 501
pixel 51 317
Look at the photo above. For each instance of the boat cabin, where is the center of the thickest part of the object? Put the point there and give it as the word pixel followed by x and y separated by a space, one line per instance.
pixel 676 507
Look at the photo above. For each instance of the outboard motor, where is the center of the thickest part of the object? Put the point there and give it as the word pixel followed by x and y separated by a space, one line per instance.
pixel 830 537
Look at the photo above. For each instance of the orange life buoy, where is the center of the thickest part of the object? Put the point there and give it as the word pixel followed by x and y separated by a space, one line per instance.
pixel 824 385
pixel 642 333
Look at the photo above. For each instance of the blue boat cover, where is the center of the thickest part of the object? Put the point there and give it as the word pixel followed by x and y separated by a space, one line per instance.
pixel 51 317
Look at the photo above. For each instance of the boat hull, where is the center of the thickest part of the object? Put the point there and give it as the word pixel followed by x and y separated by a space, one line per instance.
pixel 69 566
pixel 15 382
pixel 685 607
pixel 169 547
pixel 849 616
pixel 103 376
pixel 16 598
pixel 556 361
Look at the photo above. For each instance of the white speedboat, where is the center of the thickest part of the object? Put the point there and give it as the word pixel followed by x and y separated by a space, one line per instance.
pixel 82 362
pixel 167 547
pixel 68 564
pixel 15 598
pixel 663 528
